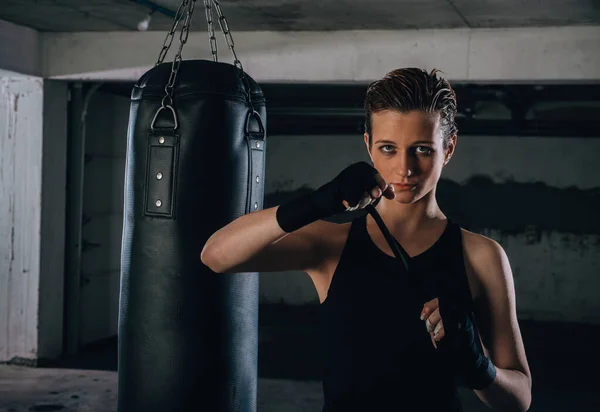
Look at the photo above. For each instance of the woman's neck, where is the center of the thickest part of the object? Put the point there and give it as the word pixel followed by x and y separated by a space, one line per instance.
pixel 410 217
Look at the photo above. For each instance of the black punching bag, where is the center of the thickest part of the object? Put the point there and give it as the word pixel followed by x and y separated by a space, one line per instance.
pixel 188 338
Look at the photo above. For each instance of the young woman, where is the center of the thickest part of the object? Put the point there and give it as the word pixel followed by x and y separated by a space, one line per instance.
pixel 395 341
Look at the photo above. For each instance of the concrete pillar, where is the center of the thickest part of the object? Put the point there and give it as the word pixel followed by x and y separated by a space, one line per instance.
pixel 32 202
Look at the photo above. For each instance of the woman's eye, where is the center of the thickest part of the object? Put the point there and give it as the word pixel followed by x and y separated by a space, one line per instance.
pixel 424 150
pixel 387 148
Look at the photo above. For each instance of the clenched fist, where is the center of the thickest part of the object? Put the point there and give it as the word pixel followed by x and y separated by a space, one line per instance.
pixel 433 320
pixel 462 344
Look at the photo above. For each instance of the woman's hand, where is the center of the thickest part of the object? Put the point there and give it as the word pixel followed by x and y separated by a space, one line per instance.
pixel 462 344
pixel 379 189
pixel 433 321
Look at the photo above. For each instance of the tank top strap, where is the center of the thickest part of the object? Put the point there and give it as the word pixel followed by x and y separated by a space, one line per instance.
pixel 359 226
pixel 355 240
pixel 362 245
pixel 351 251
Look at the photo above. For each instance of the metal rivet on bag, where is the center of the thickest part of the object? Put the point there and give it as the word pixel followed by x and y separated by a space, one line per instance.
pixel 158 203
pixel 255 206
pixel 257 144
pixel 159 175
pixel 161 140
pixel 257 179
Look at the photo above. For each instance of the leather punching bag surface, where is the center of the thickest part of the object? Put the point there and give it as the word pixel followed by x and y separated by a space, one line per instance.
pixel 188 338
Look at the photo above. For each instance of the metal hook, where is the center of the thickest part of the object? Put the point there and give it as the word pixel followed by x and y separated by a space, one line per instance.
pixel 168 106
pixel 255 114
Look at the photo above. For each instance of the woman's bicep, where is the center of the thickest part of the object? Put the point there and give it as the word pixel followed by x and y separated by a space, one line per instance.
pixel 496 308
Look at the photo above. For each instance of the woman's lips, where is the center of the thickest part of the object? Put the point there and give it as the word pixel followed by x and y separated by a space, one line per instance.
pixel 404 186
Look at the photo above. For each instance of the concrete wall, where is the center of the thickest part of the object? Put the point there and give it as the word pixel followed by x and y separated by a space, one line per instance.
pixel 537 196
pixel 534 195
pixel 32 154
pixel 106 138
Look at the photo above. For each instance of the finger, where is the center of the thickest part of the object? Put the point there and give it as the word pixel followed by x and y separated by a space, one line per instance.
pixel 376 192
pixel 380 181
pixel 429 326
pixel 433 340
pixel 440 333
pixel 435 317
pixel 425 312
pixel 389 192
pixel 366 199
pixel 350 208
pixel 437 328
pixel 429 308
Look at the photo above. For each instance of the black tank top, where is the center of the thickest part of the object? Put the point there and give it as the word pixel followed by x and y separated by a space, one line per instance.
pixel 378 356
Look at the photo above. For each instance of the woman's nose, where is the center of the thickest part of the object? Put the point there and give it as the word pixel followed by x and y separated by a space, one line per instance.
pixel 405 167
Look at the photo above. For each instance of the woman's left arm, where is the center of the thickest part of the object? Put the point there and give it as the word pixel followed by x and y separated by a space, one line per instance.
pixel 496 319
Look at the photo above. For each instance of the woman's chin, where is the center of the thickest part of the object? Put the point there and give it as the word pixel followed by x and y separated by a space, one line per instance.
pixel 407 196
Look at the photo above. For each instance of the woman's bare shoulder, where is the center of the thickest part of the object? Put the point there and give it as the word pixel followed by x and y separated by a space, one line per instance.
pixel 478 246
pixel 485 260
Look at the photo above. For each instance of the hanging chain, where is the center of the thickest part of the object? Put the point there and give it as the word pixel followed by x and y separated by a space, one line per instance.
pixel 187 7
pixel 230 43
pixel 211 29
pixel 171 33
pixel 227 34
pixel 183 37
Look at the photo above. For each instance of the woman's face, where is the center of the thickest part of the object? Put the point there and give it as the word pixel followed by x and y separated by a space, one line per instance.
pixel 407 149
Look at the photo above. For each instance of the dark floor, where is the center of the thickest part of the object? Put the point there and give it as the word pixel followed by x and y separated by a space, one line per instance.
pixel 562 356
pixel 288 346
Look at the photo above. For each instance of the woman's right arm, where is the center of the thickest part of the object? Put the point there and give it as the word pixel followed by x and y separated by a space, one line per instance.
pixel 255 242
pixel 287 237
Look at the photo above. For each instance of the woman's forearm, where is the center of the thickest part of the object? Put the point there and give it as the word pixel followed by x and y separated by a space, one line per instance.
pixel 510 391
pixel 241 239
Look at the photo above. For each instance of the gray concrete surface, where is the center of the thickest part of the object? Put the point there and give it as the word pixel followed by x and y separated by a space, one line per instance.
pixel 25 389
pixel 71 390
pixel 33 125
pixel 40 389
pixel 302 15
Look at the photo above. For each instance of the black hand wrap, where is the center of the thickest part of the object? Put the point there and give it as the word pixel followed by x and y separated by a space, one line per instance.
pixel 326 201
pixel 463 347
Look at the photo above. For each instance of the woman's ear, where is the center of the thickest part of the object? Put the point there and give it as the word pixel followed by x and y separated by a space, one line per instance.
pixel 450 149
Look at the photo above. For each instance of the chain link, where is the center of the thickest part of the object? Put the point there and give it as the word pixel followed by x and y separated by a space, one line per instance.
pixel 231 44
pixel 227 34
pixel 187 7
pixel 171 33
pixel 183 37
pixel 211 30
